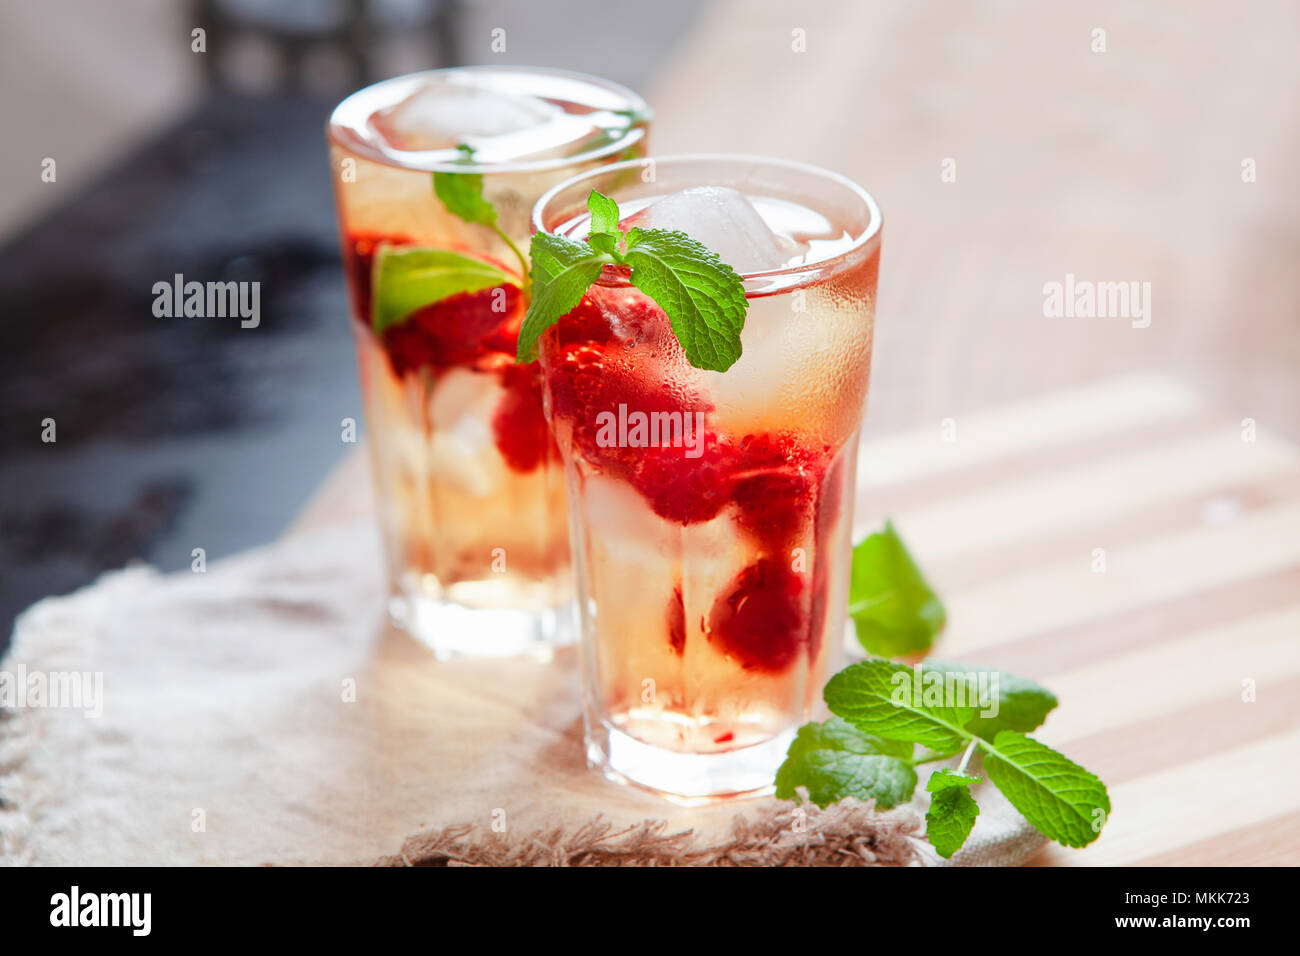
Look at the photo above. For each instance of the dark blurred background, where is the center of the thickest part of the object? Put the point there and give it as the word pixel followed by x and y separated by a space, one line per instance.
pixel 174 434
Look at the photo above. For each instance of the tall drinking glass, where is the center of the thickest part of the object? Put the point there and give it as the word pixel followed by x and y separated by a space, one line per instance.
pixel 711 511
pixel 470 488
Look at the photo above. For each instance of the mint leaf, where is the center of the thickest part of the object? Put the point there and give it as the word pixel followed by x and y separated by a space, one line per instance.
pixel 702 296
pixel 1021 703
pixel 407 278
pixel 563 271
pixel 883 698
pixel 462 194
pixel 944 778
pixel 894 610
pixel 834 760
pixel 1063 801
pixel 604 233
pixel 950 818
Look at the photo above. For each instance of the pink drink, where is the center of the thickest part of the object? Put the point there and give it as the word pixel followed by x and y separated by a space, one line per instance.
pixel 711 512
pixel 470 488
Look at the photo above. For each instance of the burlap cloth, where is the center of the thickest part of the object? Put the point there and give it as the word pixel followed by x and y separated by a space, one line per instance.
pixel 260 712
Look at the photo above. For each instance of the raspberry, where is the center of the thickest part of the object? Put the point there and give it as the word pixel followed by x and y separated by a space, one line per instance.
pixel 761 620
pixel 585 324
pixel 680 489
pixel 588 381
pixel 465 329
pixel 776 484
pixel 519 425
pixel 580 388
pixel 473 329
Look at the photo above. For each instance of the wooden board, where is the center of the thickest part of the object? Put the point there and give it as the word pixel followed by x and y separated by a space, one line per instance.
pixel 1123 544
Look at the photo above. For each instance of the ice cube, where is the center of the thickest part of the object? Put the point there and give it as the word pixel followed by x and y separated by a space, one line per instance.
pixel 724 220
pixel 461 395
pixel 629 531
pixel 442 114
pixel 459 450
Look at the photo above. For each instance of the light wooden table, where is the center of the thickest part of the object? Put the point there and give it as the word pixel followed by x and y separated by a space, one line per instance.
pixel 1072 435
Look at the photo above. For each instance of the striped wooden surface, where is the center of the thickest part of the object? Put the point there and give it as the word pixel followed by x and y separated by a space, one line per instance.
pixel 1200 592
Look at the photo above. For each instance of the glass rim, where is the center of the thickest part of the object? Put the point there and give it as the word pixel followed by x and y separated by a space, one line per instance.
pixel 870 234
pixel 634 134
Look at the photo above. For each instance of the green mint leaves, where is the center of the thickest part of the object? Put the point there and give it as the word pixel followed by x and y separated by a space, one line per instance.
pixel 604 232
pixel 884 711
pixel 563 271
pixel 407 278
pixel 883 698
pixel 462 194
pixel 1061 799
pixel 834 760
pixel 702 296
pixel 1021 704
pixel 893 708
pixel 950 819
pixel 894 611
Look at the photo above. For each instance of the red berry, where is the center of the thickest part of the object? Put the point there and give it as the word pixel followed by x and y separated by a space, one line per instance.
pixel 592 383
pixel 776 486
pixel 519 425
pixel 473 329
pixel 762 621
pixel 681 489
pixel 585 324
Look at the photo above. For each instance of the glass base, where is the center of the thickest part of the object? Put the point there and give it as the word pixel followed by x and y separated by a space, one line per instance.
pixel 685 778
pixel 453 630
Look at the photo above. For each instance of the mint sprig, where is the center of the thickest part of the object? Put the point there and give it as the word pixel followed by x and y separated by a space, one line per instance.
pixel 702 296
pixel 462 195
pixel 1065 802
pixel 894 610
pixel 884 709
pixel 563 271
pixel 407 278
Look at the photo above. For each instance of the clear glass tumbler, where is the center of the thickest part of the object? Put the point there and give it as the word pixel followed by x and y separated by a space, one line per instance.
pixel 470 489
pixel 711 512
